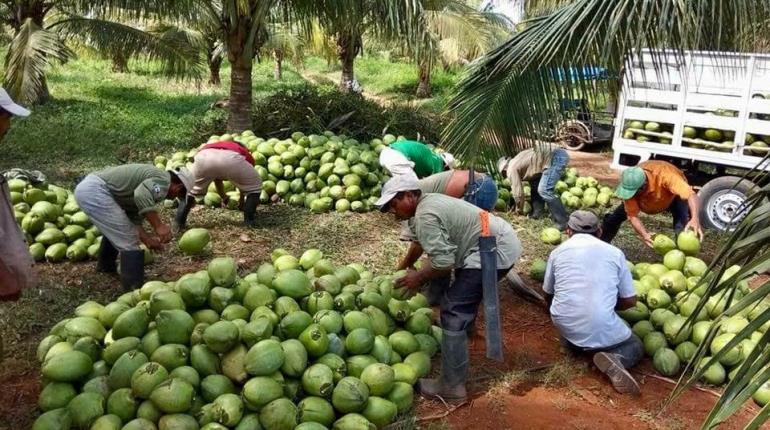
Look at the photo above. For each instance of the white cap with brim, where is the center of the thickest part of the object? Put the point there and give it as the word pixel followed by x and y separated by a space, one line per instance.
pixel 186 177
pixel 7 103
pixel 394 186
pixel 448 159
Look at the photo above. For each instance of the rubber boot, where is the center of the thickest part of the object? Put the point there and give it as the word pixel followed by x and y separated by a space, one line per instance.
pixel 537 209
pixel 558 213
pixel 182 211
pixel 131 269
pixel 450 385
pixel 250 209
pixel 107 260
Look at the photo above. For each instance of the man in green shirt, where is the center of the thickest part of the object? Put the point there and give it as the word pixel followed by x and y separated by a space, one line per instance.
pixel 407 157
pixel 448 230
pixel 118 200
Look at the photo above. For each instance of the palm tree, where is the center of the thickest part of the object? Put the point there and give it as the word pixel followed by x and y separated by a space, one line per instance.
pixel 42 28
pixel 455 32
pixel 507 99
pixel 349 20
pixel 284 41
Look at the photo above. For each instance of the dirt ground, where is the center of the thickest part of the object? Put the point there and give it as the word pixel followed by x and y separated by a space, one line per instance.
pixel 536 387
pixel 539 387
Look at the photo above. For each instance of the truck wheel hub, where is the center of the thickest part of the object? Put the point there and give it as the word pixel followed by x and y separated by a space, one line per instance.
pixel 724 207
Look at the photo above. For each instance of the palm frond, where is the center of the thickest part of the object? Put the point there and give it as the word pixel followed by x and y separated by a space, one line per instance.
pixel 178 50
pixel 508 98
pixel 188 10
pixel 31 51
pixel 745 253
pixel 288 40
pixel 462 33
pixel 321 43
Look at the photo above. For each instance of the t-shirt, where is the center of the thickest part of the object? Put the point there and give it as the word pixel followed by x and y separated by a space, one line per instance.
pixel 526 165
pixel 586 276
pixel 448 230
pixel 137 188
pixel 426 162
pixel 231 146
pixel 664 183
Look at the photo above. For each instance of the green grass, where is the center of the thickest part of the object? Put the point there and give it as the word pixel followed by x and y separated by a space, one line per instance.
pixel 392 80
pixel 98 117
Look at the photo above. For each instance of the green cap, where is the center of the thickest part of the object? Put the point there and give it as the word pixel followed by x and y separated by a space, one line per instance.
pixel 630 181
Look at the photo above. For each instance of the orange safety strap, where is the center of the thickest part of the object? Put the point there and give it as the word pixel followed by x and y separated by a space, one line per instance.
pixel 484 216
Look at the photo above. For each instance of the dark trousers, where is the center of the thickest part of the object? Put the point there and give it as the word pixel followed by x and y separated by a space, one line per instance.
pixel 459 299
pixel 630 351
pixel 535 199
pixel 613 220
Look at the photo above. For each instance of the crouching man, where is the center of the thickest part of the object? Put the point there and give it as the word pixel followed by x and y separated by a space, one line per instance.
pixel 586 281
pixel 215 162
pixel 118 199
pixel 448 230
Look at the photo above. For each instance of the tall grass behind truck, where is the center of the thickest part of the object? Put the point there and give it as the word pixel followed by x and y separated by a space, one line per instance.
pixel 707 113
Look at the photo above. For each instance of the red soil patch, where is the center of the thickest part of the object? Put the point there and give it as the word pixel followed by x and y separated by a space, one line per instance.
pixel 581 399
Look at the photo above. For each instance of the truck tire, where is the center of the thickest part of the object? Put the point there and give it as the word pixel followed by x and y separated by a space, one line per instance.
pixel 721 201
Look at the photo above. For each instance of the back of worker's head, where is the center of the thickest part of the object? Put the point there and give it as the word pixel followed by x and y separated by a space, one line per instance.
pixel 583 222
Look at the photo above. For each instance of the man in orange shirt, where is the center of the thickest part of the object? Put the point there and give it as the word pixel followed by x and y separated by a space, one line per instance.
pixel 652 187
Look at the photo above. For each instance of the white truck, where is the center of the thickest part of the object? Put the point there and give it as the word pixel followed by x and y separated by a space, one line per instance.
pixel 706 112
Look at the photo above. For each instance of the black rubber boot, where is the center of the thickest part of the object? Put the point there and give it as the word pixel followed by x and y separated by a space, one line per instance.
pixel 250 209
pixel 131 269
pixel 558 213
pixel 450 385
pixel 537 209
pixel 107 259
pixel 182 211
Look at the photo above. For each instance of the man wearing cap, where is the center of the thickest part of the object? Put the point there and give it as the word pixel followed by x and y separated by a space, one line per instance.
pixel 448 230
pixel 482 193
pixel 583 302
pixel 16 271
pixel 215 162
pixel 652 187
pixel 407 157
pixel 118 200
pixel 542 166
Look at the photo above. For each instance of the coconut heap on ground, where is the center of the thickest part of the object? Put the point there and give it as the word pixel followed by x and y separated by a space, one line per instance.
pixel 297 344
pixel 320 172
pixel 669 293
pixel 52 222
pixel 574 191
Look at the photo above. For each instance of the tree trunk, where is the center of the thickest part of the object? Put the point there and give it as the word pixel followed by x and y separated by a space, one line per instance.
pixel 348 47
pixel 423 86
pixel 240 97
pixel 215 64
pixel 278 70
pixel 119 63
pixel 44 95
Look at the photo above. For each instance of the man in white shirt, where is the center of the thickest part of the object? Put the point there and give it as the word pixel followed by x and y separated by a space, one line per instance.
pixel 586 281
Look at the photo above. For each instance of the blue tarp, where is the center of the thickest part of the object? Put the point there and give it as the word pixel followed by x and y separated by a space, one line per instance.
pixel 588 73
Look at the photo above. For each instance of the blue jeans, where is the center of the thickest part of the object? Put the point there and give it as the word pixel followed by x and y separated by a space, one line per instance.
pixel 630 351
pixel 482 193
pixel 552 175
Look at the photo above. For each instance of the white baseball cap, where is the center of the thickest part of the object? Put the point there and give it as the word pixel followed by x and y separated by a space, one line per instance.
pixel 394 186
pixel 186 177
pixel 7 103
pixel 502 164
pixel 449 159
